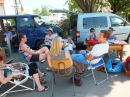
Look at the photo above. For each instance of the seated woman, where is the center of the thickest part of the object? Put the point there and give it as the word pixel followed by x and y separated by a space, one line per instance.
pixel 69 45
pixel 56 51
pixel 92 35
pixel 49 37
pixel 6 75
pixel 34 55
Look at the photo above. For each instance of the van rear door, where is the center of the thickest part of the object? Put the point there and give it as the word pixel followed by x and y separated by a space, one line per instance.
pixel 72 25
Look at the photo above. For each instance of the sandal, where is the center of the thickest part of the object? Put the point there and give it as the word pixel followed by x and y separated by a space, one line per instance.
pixel 48 69
pixel 45 89
pixel 76 71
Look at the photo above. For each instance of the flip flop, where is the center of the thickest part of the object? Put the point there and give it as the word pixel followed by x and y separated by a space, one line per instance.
pixel 45 89
pixel 48 69
pixel 76 71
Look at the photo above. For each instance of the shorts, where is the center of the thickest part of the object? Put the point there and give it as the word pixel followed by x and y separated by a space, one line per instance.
pixel 79 58
pixel 33 69
pixel 34 58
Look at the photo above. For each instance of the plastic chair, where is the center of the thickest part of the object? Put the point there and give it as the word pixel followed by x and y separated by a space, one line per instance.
pixel 18 82
pixel 94 66
pixel 61 68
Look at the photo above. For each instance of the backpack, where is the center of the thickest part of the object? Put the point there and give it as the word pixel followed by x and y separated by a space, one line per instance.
pixel 113 67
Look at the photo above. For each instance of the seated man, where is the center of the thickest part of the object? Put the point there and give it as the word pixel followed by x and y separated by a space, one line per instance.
pixel 69 45
pixel 98 50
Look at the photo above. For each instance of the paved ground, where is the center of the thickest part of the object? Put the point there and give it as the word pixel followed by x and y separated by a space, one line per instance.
pixel 116 86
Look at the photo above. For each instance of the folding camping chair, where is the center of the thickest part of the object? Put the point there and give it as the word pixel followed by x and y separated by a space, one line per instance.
pixel 94 66
pixel 61 68
pixel 18 82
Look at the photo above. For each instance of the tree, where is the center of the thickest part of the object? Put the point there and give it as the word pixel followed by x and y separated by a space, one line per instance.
pixel 43 11
pixel 120 5
pixel 88 6
pixel 36 11
pixel 74 7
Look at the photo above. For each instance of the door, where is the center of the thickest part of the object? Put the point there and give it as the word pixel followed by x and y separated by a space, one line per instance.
pixel 26 25
pixel 120 30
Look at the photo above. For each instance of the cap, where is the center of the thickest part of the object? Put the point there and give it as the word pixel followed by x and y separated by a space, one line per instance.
pixel 50 29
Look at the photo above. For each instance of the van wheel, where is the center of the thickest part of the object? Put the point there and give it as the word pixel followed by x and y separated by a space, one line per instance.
pixel 40 44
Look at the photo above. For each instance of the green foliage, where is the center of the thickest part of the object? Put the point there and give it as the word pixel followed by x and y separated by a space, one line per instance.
pixel 120 6
pixel 43 11
pixel 64 26
pixel 36 11
pixel 72 5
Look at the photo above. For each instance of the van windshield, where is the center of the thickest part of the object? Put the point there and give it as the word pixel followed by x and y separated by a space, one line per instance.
pixel 41 21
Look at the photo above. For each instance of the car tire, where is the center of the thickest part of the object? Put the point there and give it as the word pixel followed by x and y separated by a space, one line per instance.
pixel 40 44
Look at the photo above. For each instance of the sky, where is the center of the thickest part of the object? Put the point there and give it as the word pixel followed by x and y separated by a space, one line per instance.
pixel 29 5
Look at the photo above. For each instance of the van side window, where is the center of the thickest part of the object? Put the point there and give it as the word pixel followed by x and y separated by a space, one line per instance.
pixel 10 22
pixel 116 21
pixel 26 23
pixel 101 22
pixel 88 23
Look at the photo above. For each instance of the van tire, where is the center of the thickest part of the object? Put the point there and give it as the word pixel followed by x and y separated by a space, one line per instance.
pixel 40 44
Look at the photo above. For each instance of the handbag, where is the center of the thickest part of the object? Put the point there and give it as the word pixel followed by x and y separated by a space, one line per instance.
pixel 77 79
pixel 113 67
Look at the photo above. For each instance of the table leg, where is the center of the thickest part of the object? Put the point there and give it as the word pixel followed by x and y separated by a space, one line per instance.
pixel 121 54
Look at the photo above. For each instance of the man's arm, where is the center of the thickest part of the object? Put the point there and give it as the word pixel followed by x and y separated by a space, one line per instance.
pixel 89 57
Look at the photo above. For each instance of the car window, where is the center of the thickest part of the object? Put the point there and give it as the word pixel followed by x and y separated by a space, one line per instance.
pixel 26 23
pixel 88 23
pixel 101 22
pixel 116 21
pixel 9 22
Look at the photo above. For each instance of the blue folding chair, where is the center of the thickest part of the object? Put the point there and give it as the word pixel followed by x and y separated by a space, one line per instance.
pixel 94 66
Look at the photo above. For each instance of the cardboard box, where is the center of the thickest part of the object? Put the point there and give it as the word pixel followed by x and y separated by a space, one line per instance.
pixel 2 53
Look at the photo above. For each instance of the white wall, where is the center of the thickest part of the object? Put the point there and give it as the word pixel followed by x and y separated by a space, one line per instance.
pixel 9 10
pixel 1 10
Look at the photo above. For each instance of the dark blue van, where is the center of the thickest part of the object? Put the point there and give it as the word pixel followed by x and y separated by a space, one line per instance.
pixel 34 26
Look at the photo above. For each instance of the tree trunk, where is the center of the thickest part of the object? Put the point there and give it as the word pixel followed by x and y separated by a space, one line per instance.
pixel 87 6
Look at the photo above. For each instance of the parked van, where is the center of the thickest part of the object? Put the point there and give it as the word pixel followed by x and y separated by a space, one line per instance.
pixel 34 26
pixel 98 21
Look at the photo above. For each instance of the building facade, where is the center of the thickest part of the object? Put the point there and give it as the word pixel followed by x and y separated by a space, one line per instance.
pixel 11 7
